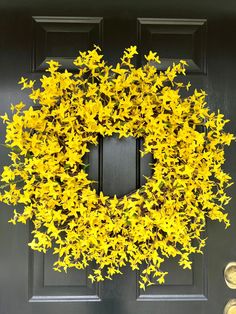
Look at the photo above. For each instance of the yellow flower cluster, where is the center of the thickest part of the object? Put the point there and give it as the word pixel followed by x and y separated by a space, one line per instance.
pixel 167 216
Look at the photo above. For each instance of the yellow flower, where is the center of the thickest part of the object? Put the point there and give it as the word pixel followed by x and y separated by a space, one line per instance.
pixel 166 217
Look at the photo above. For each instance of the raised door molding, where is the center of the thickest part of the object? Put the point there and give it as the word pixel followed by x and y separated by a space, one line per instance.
pixel 61 39
pixel 174 39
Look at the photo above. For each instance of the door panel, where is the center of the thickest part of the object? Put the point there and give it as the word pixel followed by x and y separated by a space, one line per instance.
pixel 174 39
pixel 61 38
pixel 180 285
pixel 27 40
pixel 46 285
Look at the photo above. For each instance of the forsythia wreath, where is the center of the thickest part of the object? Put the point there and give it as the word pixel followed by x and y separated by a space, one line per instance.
pixel 166 217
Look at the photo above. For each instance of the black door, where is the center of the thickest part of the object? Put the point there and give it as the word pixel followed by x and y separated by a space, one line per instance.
pixel 202 33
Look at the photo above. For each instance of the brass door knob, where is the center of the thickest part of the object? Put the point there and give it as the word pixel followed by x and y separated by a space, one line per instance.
pixel 230 275
pixel 230 307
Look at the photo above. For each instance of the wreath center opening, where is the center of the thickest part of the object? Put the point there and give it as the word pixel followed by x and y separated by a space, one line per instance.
pixel 116 167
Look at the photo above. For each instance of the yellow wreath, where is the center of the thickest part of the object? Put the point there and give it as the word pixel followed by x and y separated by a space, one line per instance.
pixel 166 217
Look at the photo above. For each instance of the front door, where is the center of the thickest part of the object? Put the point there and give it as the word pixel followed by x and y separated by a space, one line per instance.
pixel 33 33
